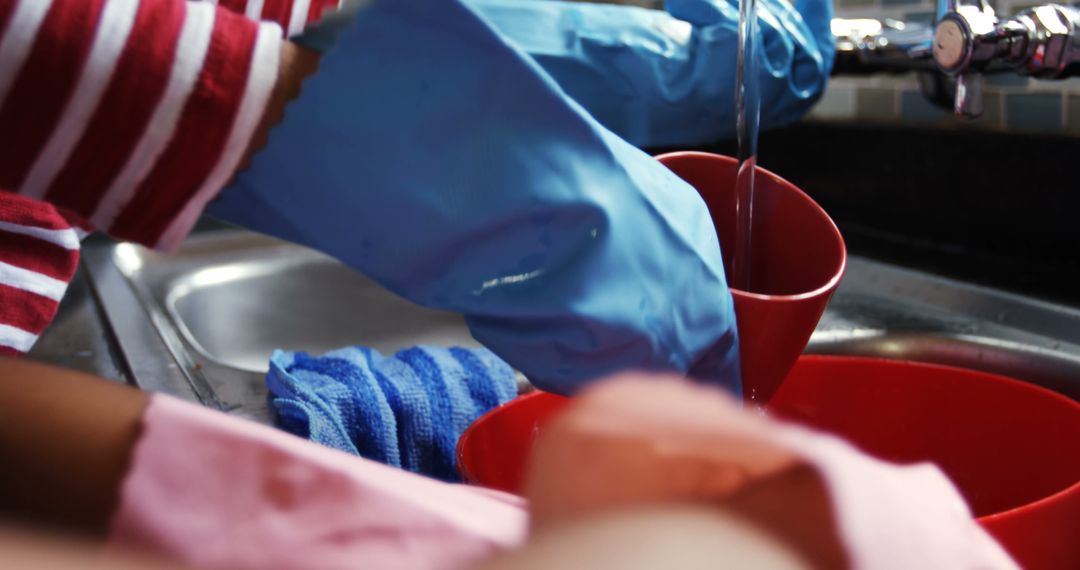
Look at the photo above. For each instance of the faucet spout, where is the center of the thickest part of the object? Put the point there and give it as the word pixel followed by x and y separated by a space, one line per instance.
pixel 970 39
pixel 965 38
pixel 967 41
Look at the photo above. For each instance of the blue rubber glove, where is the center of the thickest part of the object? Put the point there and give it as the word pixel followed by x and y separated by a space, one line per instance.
pixel 432 156
pixel 660 79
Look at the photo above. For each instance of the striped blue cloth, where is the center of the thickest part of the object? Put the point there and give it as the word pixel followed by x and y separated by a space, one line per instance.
pixel 406 410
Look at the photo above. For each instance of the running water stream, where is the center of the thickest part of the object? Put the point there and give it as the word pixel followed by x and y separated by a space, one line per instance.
pixel 747 115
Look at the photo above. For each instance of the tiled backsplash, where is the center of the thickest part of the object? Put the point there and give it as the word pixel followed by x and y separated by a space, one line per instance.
pixel 1011 102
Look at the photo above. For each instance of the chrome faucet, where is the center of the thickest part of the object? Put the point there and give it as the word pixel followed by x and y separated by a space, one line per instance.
pixel 969 39
pixel 869 45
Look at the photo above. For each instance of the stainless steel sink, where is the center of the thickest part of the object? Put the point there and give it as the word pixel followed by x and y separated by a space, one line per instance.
pixel 277 296
pixel 886 311
pixel 202 323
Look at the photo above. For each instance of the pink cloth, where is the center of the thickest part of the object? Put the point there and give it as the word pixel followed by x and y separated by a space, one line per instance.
pixel 211 490
pixel 650 439
pixel 895 516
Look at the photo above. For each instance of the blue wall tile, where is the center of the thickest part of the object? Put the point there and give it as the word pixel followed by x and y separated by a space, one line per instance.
pixel 1007 80
pixel 1039 112
pixel 837 103
pixel 991 117
pixel 875 103
pixel 915 107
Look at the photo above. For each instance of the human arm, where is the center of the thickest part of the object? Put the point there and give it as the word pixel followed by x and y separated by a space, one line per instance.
pixel 132 115
pixel 637 441
pixel 633 457
pixel 659 78
pixel 65 440
pixel 666 78
pixel 457 174
pixel 156 475
pixel 72 139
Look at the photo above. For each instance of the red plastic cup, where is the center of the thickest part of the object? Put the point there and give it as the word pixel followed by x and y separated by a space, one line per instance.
pixel 796 261
pixel 1012 449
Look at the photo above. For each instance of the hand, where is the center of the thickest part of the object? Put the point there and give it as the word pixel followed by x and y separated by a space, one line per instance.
pixel 642 441
pixel 667 79
pixel 438 160
pixel 652 442
pixel 654 78
pixel 295 65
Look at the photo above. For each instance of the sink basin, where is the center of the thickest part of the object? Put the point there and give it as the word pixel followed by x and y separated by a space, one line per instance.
pixel 887 311
pixel 234 312
pixel 214 312
pixel 202 323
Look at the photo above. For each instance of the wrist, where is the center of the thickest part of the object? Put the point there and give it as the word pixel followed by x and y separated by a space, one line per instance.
pixel 296 64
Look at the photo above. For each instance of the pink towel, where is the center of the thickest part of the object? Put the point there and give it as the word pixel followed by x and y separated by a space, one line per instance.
pixel 214 491
pixel 211 490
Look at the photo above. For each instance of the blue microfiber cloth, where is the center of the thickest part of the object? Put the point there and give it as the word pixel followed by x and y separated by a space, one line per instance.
pixel 406 410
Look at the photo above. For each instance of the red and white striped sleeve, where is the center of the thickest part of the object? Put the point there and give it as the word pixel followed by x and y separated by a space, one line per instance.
pixel 131 114
pixel 39 252
pixel 292 15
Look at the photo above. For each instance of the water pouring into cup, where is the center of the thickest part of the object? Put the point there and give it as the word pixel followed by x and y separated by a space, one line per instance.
pixel 747 116
pixel 798 259
pixel 783 255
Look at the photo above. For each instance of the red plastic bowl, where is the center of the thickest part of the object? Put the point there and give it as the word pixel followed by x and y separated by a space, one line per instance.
pixel 1013 449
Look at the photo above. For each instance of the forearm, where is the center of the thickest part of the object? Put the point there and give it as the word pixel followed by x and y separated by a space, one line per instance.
pixel 65 442
pixel 132 115
pixel 666 79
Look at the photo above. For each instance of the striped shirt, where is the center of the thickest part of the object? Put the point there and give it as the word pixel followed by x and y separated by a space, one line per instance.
pixel 122 115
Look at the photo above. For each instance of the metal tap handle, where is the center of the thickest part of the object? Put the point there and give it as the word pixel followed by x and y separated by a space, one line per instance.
pixel 1043 41
pixel 969 98
pixel 966 37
